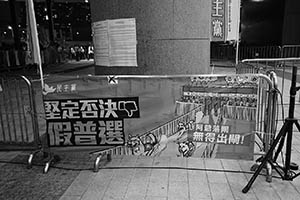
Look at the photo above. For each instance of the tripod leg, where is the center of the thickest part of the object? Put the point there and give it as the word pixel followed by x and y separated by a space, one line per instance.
pixel 281 134
pixel 280 146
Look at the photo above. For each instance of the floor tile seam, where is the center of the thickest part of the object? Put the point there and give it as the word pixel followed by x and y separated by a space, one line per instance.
pixel 294 187
pixel 207 180
pixel 89 185
pixel 188 180
pixel 148 167
pixel 107 185
pixel 228 182
pixel 125 159
pixel 75 179
pixel 255 189
pixel 274 189
pixel 148 179
pixel 153 167
pixel 148 182
pixel 212 168
pixel 132 175
pixel 121 167
pixel 213 171
pixel 179 164
pixel 168 182
pixel 246 178
pixel 297 149
pixel 80 196
pixel 192 166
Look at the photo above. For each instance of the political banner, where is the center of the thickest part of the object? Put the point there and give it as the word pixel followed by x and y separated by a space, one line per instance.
pixel 89 121
pixel 190 116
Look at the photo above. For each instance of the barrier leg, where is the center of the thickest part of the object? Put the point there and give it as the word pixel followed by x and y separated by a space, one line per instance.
pixel 29 162
pixel 30 158
pixel 33 154
pixel 268 167
pixel 97 163
pixel 52 159
pixel 108 157
pixel 47 166
pixel 269 173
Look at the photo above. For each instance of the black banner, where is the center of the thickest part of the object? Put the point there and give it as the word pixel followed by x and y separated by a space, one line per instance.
pixel 86 122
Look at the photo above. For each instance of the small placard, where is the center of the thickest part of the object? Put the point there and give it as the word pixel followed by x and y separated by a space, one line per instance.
pixel 112 80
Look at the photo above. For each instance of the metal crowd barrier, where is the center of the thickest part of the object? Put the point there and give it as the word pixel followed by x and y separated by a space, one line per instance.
pixel 19 129
pixel 259 51
pixel 290 51
pixel 282 67
pixel 227 52
pixel 264 114
pixel 19 124
pixel 267 111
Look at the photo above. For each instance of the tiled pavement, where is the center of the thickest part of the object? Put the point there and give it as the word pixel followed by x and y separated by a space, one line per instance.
pixel 176 178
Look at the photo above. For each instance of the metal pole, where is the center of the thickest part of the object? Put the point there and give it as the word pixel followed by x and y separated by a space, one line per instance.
pixel 50 20
pixel 293 92
pixel 34 39
pixel 237 52
pixel 14 27
pixel 238 36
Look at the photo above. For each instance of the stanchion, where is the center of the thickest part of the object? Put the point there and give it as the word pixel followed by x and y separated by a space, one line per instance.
pixel 284 171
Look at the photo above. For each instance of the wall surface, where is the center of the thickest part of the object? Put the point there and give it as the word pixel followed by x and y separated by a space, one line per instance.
pixel 173 35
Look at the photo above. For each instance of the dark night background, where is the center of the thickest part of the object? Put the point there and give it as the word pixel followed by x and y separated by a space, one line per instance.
pixel 262 21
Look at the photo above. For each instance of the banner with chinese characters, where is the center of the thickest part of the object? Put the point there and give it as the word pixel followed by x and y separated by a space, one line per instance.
pixel 228 118
pixel 218 20
pixel 96 121
pixel 190 116
pixel 232 20
pixel 225 20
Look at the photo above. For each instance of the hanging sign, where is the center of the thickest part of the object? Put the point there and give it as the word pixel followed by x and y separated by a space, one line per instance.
pixel 232 20
pixel 225 20
pixel 218 20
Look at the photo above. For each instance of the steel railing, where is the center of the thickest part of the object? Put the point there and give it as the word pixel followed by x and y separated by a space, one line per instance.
pixel 19 127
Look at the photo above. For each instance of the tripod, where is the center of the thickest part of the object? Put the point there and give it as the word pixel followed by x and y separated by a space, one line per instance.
pixel 286 131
